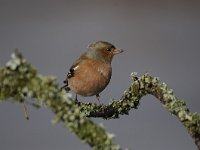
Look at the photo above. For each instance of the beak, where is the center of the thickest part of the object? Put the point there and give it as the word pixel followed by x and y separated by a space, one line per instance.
pixel 117 51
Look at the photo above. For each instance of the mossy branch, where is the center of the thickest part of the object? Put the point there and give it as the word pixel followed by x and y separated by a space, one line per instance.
pixel 19 79
pixel 140 87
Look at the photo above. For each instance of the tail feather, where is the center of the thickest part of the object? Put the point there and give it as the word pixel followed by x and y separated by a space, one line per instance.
pixel 65 87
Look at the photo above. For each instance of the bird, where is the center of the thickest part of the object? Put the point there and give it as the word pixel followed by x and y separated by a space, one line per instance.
pixel 91 72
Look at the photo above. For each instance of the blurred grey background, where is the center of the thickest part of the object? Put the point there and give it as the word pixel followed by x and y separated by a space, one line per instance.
pixel 161 37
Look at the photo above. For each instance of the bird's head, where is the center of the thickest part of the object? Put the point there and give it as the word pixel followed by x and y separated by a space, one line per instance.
pixel 102 51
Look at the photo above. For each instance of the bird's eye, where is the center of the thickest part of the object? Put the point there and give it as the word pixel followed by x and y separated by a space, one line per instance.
pixel 108 49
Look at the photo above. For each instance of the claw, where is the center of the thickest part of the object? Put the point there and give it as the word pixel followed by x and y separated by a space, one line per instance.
pixel 98 98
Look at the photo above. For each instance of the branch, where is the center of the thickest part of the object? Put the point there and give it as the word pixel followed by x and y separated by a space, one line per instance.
pixel 19 79
pixel 140 87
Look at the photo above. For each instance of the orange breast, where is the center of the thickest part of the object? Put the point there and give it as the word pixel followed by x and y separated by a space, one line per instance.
pixel 90 78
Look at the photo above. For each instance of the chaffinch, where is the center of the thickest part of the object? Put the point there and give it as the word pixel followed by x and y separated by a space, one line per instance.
pixel 91 72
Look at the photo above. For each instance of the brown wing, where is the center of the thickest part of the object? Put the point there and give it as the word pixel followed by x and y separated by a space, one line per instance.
pixel 75 65
pixel 72 70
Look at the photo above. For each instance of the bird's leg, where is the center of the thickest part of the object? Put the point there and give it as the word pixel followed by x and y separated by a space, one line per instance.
pixel 98 97
pixel 76 99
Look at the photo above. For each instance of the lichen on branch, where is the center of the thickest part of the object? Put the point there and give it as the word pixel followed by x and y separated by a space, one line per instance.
pixel 140 87
pixel 19 80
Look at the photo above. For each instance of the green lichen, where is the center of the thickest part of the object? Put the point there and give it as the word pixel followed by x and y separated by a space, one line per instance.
pixel 19 80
